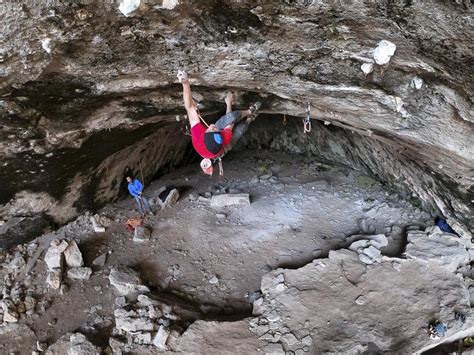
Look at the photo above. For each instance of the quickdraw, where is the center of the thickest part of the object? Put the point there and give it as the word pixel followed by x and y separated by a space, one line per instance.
pixel 307 119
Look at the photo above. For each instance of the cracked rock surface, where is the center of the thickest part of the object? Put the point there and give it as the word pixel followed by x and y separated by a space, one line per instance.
pixel 86 90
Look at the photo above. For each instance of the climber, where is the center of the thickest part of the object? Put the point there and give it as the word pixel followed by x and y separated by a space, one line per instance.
pixel 217 139
pixel 135 187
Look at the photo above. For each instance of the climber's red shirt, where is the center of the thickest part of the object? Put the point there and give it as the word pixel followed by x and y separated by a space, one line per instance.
pixel 197 134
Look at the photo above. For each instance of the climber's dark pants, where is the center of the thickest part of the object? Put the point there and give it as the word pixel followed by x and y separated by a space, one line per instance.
pixel 240 127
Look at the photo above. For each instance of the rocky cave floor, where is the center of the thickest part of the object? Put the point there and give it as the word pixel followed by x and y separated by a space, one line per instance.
pixel 211 266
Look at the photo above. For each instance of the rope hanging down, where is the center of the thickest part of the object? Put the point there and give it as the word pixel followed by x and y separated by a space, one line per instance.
pixel 307 119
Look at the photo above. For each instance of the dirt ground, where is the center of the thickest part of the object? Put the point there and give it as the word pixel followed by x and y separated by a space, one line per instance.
pixel 300 209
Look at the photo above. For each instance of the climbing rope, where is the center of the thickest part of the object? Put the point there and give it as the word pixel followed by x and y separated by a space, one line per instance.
pixel 284 120
pixel 140 167
pixel 221 168
pixel 307 119
pixel 199 114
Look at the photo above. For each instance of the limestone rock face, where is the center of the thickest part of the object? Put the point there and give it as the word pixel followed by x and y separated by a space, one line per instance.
pixel 89 90
pixel 302 317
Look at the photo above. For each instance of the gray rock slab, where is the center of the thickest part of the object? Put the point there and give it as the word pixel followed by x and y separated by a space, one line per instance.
pixel 79 273
pixel 141 234
pixel 73 255
pixel 437 249
pixel 161 337
pixel 416 291
pixel 219 201
pixel 126 282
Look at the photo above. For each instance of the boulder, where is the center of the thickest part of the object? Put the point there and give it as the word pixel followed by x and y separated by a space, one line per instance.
pixel 218 201
pixel 100 260
pixel 141 234
pixel 161 337
pixel 131 321
pixel 443 249
pixel 73 255
pixel 10 314
pixel 79 273
pixel 96 226
pixel 126 282
pixel 168 197
pixel 53 258
pixel 79 345
pixel 54 278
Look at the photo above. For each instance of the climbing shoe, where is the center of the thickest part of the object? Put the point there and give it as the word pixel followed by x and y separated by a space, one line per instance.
pixel 254 111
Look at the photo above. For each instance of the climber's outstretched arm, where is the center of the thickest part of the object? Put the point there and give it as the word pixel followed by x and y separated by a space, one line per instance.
pixel 188 99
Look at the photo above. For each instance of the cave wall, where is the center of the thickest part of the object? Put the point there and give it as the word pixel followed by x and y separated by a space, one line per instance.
pixel 84 89
pixel 400 168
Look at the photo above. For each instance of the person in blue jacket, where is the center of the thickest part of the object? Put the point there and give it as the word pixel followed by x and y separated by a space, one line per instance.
pixel 135 187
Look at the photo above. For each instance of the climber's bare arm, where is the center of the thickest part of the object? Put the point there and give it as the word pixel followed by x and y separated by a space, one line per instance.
pixel 188 99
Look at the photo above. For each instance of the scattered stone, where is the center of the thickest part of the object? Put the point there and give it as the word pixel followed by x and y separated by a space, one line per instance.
pixel 265 176
pixel 142 338
pixel 365 259
pixel 53 258
pixel 307 340
pixel 416 83
pixel 170 199
pixel 278 279
pixel 213 280
pixel 360 301
pixel 46 45
pixel 193 197
pixel 373 253
pixel 145 301
pixel 274 349
pixel 73 255
pixel 30 304
pixel 289 339
pixel 161 337
pixel 98 288
pixel 131 321
pixel 95 225
pixel 17 263
pixel 126 282
pixel 63 289
pixel 120 301
pixel 280 287
pixel 54 278
pixel 41 346
pixel 384 51
pixel 221 215
pixel 81 346
pixel 359 245
pixel 100 260
pixel 367 68
pixel 79 273
pixel 128 7
pixel 10 314
pixel 141 234
pixel 218 201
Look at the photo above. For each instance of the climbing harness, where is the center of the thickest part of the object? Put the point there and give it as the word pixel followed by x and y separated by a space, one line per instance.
pixel 307 119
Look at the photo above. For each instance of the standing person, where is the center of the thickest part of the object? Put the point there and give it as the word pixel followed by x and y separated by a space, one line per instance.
pixel 214 141
pixel 135 187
